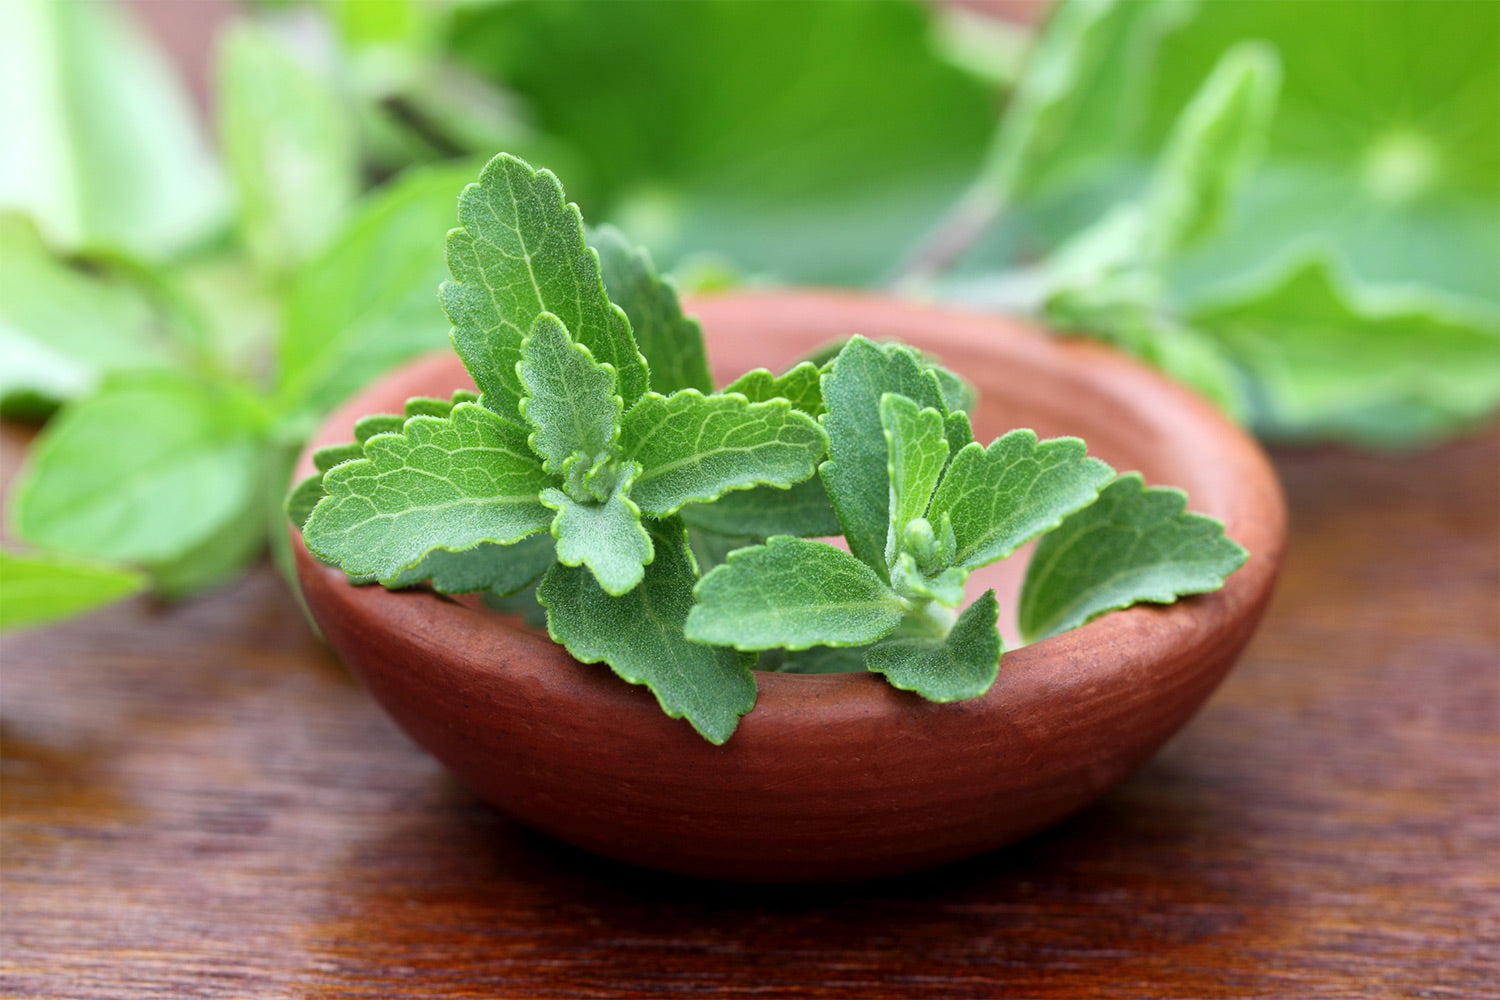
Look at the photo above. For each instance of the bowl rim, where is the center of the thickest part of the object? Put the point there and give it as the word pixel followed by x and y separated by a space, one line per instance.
pixel 1246 496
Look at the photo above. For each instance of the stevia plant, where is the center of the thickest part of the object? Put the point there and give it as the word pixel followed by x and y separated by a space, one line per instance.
pixel 673 532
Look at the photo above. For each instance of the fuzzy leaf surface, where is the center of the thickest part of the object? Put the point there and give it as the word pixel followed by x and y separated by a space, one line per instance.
pixel 803 510
pixel 917 452
pixel 856 472
pixel 35 590
pixel 449 484
pixel 1004 495
pixel 1131 545
pixel 570 399
pixel 693 448
pixel 640 635
pixel 792 593
pixel 962 665
pixel 606 537
pixel 800 385
pixel 519 252
pixel 671 343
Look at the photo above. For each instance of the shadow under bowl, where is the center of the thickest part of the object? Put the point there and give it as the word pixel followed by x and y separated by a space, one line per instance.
pixel 834 777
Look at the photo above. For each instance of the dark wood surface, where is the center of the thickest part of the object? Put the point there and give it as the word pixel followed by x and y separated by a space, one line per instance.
pixel 199 802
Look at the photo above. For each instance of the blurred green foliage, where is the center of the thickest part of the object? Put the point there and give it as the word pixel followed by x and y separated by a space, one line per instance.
pixel 1295 208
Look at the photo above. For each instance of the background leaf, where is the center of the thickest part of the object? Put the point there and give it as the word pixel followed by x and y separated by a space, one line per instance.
pixel 804 141
pixel 671 343
pixel 368 301
pixel 144 472
pixel 102 148
pixel 36 589
pixel 289 143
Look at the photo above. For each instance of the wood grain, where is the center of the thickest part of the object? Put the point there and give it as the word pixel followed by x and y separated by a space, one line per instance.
pixel 198 802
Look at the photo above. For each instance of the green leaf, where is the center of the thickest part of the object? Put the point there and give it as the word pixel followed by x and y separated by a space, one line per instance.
pixel 962 665
pixel 792 593
pixel 570 400
pixel 1377 369
pixel 606 537
pixel 1131 545
pixel 640 636
pixel 693 448
pixel 290 147
pixel 822 660
pixel 918 451
pixel 711 549
pixel 102 143
pixel 1004 495
pixel 142 472
pixel 959 396
pixel 337 454
pixel 520 253
pixel 944 586
pixel 36 589
pixel 1379 149
pixel 803 509
pixel 1056 125
pixel 800 385
pixel 380 423
pixel 671 343
pixel 502 570
pixel 63 328
pixel 365 304
pixel 449 484
pixel 303 497
pixel 1213 144
pixel 692 155
pixel 856 472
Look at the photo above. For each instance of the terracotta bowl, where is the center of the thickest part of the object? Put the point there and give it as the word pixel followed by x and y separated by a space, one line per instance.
pixel 839 776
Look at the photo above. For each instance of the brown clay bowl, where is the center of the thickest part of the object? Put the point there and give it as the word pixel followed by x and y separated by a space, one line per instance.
pixel 837 776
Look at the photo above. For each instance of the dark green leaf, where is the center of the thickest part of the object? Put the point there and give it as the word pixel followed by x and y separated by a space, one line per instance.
pixel 671 343
pixel 640 636
pixel 962 665
pixel 802 510
pixel 1130 545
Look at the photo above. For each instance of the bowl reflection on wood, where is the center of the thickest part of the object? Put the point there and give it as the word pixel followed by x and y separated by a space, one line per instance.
pixel 838 776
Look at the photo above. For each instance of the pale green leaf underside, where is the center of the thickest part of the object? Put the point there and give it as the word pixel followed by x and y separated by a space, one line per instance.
pixel 962 665
pixel 519 253
pixel 570 400
pixel 803 510
pixel 500 569
pixel 792 593
pixel 693 448
pixel 855 473
pixel 606 537
pixel 946 587
pixel 1002 496
pixel 449 484
pixel 671 343
pixel 1131 545
pixel 35 590
pixel 917 451
pixel 800 385
pixel 640 636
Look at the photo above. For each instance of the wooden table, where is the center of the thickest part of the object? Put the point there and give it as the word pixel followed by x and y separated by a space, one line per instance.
pixel 199 802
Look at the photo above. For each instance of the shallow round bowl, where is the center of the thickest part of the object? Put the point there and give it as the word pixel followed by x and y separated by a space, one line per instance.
pixel 836 776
